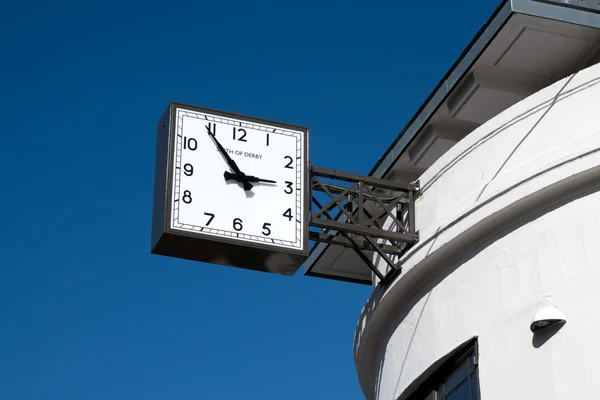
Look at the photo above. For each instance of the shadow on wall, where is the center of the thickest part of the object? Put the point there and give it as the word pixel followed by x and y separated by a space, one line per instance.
pixel 382 356
pixel 486 238
pixel 541 337
pixel 554 100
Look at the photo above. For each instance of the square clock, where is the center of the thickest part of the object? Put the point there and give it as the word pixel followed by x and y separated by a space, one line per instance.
pixel 231 190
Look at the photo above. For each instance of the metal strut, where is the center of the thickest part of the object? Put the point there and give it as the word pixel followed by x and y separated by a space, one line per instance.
pixel 363 203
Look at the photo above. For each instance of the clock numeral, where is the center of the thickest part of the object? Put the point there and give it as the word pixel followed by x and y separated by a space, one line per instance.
pixel 240 139
pixel 188 169
pixel 288 185
pixel 288 214
pixel 187 197
pixel 189 143
pixel 212 128
pixel 289 164
pixel 237 224
pixel 210 219
pixel 267 139
pixel 266 231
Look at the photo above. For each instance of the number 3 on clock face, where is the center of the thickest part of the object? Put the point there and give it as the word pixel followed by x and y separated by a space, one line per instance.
pixel 209 193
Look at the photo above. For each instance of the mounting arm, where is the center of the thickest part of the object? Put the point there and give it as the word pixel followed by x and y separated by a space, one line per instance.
pixel 363 203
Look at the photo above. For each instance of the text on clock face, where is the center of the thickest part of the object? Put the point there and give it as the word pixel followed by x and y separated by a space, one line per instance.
pixel 244 153
pixel 273 210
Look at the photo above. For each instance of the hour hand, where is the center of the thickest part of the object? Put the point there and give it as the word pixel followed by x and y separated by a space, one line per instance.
pixel 229 176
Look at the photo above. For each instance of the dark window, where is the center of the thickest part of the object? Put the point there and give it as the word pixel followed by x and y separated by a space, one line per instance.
pixel 455 379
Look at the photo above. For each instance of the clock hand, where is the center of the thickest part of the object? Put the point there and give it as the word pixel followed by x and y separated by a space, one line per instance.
pixel 230 162
pixel 229 176
pixel 255 179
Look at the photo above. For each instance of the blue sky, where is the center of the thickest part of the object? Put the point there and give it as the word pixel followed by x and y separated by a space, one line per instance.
pixel 86 312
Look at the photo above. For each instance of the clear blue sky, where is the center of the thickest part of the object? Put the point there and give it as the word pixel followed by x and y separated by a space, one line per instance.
pixel 86 312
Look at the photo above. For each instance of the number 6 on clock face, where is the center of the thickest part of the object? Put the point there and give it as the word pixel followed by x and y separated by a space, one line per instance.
pixel 237 179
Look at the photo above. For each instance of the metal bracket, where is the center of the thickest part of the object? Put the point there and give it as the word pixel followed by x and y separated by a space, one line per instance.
pixel 363 203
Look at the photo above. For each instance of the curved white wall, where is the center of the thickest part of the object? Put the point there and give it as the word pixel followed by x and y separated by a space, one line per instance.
pixel 509 220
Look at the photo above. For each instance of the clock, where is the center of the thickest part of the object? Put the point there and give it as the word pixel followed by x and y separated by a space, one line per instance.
pixel 231 189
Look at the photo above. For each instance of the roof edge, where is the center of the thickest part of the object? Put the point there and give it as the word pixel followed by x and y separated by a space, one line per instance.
pixel 435 99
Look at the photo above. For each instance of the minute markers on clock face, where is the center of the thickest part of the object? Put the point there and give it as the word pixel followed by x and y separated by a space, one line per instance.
pixel 211 195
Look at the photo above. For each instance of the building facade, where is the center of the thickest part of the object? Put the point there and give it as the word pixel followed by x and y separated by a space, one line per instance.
pixel 506 153
pixel 509 220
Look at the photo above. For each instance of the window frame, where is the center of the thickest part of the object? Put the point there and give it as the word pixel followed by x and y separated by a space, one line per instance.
pixel 436 378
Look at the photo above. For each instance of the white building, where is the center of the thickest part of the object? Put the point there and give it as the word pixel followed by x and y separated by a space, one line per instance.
pixel 507 154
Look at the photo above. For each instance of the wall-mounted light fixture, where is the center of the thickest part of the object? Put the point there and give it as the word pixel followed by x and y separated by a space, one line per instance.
pixel 545 318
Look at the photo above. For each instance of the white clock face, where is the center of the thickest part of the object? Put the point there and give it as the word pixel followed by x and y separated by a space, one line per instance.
pixel 203 201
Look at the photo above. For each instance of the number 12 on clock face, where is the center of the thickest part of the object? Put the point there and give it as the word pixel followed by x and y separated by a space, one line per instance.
pixel 239 179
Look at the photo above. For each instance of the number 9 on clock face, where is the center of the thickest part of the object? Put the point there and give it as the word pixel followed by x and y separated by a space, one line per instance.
pixel 215 155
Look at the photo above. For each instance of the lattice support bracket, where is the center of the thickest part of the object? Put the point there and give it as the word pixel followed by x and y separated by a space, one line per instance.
pixel 363 203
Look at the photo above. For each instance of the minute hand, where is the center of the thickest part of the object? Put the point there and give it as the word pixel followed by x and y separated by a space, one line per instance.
pixel 232 164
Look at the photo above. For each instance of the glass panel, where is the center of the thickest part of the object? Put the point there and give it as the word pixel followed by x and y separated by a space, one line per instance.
pixel 458 375
pixel 474 387
pixel 461 392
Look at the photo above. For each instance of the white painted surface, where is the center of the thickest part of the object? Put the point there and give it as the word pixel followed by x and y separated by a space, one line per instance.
pixel 509 221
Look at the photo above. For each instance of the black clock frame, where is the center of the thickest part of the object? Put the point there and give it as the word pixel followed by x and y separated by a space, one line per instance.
pixel 197 246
